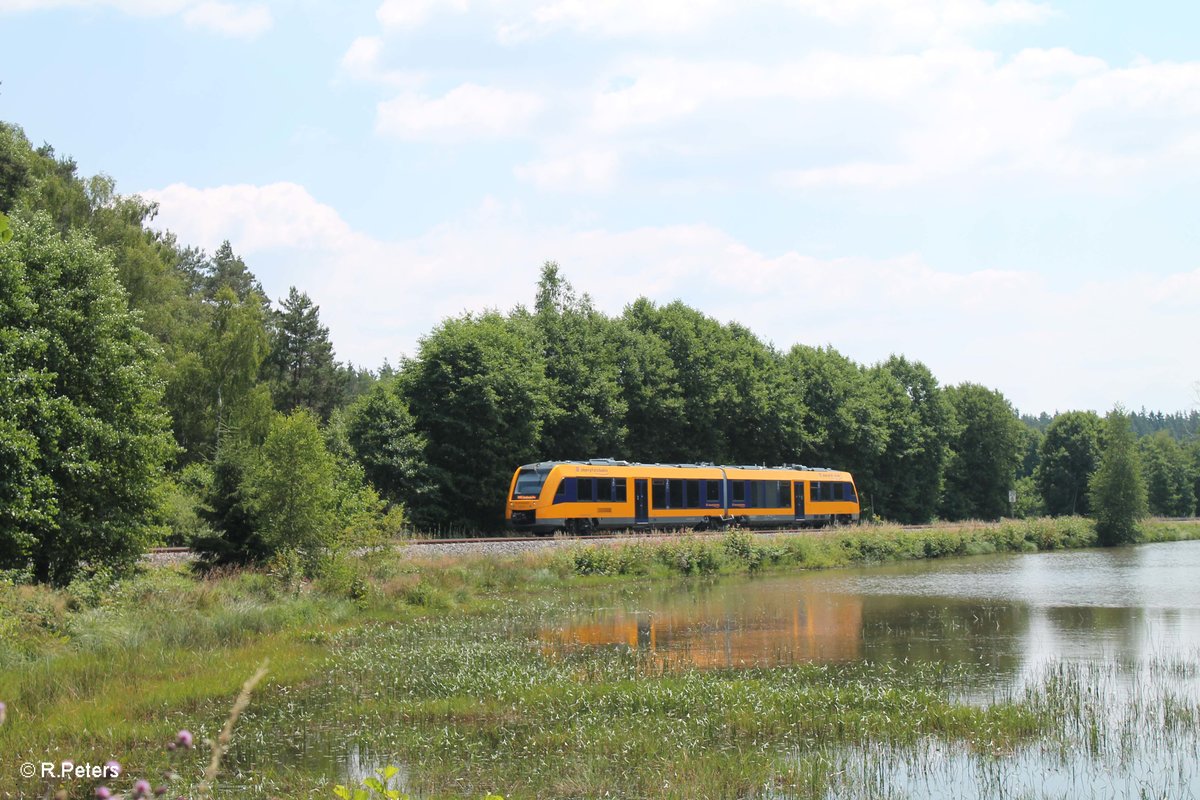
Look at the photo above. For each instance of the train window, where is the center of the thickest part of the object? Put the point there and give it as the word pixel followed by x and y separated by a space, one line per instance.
pixel 693 494
pixel 849 493
pixel 604 490
pixel 529 483
pixel 737 492
pixel 566 491
pixel 586 490
pixel 756 497
pixel 619 490
pixel 784 489
pixel 658 493
pixel 675 493
pixel 712 493
pixel 770 494
pixel 814 491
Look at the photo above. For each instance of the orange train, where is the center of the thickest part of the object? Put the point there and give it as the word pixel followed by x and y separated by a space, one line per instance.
pixel 603 494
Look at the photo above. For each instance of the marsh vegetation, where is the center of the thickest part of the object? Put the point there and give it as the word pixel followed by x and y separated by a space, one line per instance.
pixel 539 677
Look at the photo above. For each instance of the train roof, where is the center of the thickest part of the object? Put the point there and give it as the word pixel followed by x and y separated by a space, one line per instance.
pixel 546 466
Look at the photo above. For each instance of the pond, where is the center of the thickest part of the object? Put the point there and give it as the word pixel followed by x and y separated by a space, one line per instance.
pixel 1010 613
pixel 1116 633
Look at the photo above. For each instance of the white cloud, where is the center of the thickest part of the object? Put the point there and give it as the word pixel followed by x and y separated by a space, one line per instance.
pixel 948 112
pixel 362 62
pixel 468 111
pixel 402 14
pixel 581 171
pixel 278 215
pixel 243 22
pixel 1044 347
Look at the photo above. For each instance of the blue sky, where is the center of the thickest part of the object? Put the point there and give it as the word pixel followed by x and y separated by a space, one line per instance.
pixel 1004 190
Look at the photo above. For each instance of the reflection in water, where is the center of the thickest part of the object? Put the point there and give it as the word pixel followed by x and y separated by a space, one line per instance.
pixel 776 624
pixel 1008 615
pixel 1109 638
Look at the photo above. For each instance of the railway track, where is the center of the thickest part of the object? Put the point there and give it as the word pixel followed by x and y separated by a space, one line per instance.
pixel 642 535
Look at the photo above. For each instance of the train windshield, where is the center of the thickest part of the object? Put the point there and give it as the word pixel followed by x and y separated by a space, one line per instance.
pixel 529 483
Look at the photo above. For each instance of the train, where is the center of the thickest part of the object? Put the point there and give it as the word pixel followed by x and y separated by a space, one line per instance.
pixel 606 494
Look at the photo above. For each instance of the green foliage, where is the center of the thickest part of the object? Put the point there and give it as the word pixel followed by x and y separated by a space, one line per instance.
pixel 289 488
pixel 1168 474
pixel 845 424
pixel 1069 454
pixel 84 437
pixel 624 560
pixel 382 435
pixel 1193 454
pixel 906 480
pixel 300 368
pixel 581 353
pixel 1029 499
pixel 690 556
pixel 183 497
pixel 985 452
pixel 6 233
pixel 1117 491
pixel 478 394
pixel 722 394
pixel 378 787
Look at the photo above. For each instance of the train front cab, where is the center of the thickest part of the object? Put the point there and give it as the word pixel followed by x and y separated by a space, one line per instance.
pixel 529 483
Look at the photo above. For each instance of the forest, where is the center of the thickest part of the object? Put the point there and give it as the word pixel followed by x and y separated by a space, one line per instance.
pixel 152 393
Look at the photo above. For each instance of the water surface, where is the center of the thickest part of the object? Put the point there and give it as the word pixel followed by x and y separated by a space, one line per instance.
pixel 1008 614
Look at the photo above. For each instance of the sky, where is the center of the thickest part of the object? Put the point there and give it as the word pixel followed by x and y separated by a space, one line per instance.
pixel 1005 190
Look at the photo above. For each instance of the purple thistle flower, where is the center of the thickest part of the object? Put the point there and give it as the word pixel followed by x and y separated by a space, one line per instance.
pixel 184 739
pixel 141 789
pixel 112 769
pixel 3 712
pixel 103 793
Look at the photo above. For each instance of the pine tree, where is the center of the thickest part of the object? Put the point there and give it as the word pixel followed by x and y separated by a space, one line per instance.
pixel 303 373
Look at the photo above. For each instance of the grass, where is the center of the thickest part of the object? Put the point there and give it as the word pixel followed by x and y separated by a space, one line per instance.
pixel 435 664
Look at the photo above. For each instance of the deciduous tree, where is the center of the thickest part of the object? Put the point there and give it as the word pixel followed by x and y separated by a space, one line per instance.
pixel 985 452
pixel 83 431
pixel 1069 454
pixel 1117 490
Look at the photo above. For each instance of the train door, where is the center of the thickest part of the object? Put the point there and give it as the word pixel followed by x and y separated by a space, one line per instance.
pixel 798 493
pixel 641 505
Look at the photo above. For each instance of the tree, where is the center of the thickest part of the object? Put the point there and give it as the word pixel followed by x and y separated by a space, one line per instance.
pixel 580 351
pixel 84 436
pixel 908 474
pixel 728 398
pixel 1169 490
pixel 382 435
pixel 1117 490
pixel 1193 451
pixel 290 487
pixel 228 270
pixel 301 368
pixel 1069 454
pixel 985 452
pixel 844 425
pixel 478 393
